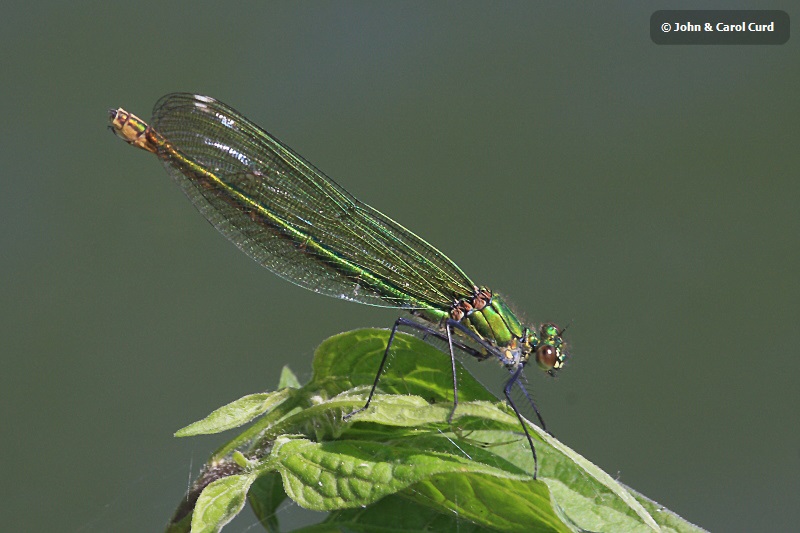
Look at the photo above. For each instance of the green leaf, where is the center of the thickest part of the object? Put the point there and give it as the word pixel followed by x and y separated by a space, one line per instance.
pixel 288 379
pixel 213 471
pixel 340 474
pixel 477 498
pixel 220 502
pixel 235 414
pixel 402 454
pixel 351 359
pixel 394 514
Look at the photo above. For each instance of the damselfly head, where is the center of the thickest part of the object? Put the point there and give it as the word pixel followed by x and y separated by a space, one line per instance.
pixel 550 351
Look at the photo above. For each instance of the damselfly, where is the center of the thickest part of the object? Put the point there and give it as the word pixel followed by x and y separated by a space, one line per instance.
pixel 300 224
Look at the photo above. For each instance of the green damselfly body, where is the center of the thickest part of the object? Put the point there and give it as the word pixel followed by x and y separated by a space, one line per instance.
pixel 295 221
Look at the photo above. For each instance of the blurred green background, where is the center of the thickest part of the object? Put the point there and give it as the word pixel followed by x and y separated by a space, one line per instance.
pixel 646 194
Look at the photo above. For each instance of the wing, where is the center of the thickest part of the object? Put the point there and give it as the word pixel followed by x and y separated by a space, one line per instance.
pixel 291 218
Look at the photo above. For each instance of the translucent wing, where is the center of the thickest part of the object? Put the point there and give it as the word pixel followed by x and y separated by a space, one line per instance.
pixel 291 218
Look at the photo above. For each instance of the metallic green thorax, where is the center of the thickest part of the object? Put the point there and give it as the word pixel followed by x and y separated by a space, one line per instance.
pixel 496 322
pixel 487 316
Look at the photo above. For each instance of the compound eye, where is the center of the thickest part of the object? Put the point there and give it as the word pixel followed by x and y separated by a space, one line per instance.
pixel 546 356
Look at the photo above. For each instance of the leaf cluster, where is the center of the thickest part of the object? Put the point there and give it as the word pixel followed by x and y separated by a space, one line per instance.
pixel 399 466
